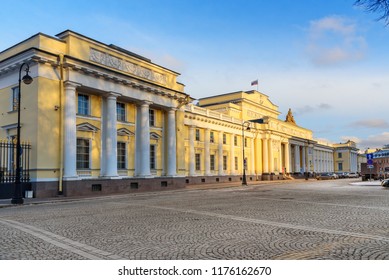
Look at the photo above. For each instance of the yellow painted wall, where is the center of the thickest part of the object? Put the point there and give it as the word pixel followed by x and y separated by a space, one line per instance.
pixel 48 128
pixel 40 41
pixel 181 135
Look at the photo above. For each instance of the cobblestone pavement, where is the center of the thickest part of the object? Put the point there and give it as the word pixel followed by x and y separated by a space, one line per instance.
pixel 289 220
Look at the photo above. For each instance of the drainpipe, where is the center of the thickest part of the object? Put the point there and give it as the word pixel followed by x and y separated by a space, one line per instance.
pixel 60 181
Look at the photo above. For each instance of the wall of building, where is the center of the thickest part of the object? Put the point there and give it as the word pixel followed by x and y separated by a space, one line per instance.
pixel 67 68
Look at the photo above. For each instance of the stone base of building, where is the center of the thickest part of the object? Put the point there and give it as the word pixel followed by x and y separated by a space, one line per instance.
pixel 99 186
pixel 198 180
pixel 272 176
pixel 104 186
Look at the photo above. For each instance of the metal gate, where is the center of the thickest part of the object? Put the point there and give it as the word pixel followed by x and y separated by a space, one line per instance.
pixel 8 162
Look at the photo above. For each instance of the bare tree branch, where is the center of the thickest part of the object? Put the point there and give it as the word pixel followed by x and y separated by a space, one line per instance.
pixel 376 6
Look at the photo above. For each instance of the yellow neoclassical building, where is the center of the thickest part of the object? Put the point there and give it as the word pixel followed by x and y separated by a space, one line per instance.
pixel 101 119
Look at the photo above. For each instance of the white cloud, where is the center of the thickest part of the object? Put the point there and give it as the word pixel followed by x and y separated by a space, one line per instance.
pixel 371 141
pixel 370 123
pixel 334 40
pixel 310 109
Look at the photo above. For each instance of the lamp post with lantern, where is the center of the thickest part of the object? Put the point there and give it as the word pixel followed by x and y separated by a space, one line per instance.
pixel 246 126
pixel 27 79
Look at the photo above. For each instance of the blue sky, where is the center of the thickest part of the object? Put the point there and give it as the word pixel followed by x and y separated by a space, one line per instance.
pixel 327 60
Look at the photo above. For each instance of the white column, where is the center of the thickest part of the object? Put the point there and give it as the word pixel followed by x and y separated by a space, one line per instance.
pixel 297 158
pixel 192 158
pixel 314 158
pixel 70 133
pixel 220 153
pixel 265 152
pixel 271 156
pixel 143 140
pixel 279 163
pixel 207 159
pixel 171 143
pixel 304 154
pixel 287 159
pixel 110 157
pixel 232 155
pixel 320 161
pixel 252 156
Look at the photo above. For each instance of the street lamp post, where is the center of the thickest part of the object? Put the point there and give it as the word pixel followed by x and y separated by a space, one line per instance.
pixel 244 179
pixel 260 121
pixel 17 197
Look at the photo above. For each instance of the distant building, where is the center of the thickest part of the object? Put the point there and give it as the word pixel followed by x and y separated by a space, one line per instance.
pixel 381 158
pixel 346 157
pixel 101 119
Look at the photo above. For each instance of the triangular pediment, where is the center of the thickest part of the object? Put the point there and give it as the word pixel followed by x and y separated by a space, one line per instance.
pixel 87 127
pixel 155 136
pixel 125 132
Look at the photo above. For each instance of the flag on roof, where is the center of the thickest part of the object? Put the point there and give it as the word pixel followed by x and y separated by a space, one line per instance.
pixel 254 83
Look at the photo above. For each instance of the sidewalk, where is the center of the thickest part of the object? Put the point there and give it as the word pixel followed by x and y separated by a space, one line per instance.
pixel 367 183
pixel 32 201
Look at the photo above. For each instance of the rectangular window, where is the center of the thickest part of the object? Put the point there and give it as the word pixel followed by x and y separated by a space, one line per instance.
pixel 15 99
pixel 83 104
pixel 340 166
pixel 245 142
pixel 83 153
pixel 339 155
pixel 224 162
pixel 121 155
pixel 153 157
pixel 235 140
pixel 224 138
pixel 121 112
pixel 152 117
pixel 198 162
pixel 212 159
pixel 197 134
pixel 236 163
pixel 212 137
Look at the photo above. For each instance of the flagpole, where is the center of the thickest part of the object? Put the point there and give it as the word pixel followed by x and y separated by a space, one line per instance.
pixel 255 83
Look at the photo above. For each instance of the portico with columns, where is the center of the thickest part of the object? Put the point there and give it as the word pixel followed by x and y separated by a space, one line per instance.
pixel 147 147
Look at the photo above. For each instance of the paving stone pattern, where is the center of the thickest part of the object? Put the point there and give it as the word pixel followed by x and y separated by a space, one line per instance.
pixel 289 220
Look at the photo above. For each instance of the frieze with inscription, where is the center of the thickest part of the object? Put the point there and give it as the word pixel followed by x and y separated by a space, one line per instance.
pixel 126 66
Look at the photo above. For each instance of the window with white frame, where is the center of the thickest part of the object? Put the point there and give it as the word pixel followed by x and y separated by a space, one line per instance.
pixel 212 159
pixel 83 104
pixel 152 117
pixel 197 134
pixel 224 138
pixel 235 140
pixel 153 155
pixel 340 166
pixel 83 153
pixel 15 99
pixel 212 137
pixel 121 111
pixel 236 163
pixel 198 162
pixel 121 155
pixel 224 162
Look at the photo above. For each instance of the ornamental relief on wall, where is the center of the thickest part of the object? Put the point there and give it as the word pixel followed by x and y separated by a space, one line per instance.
pixel 126 66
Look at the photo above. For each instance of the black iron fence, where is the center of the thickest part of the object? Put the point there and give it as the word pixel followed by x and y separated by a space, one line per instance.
pixel 8 161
